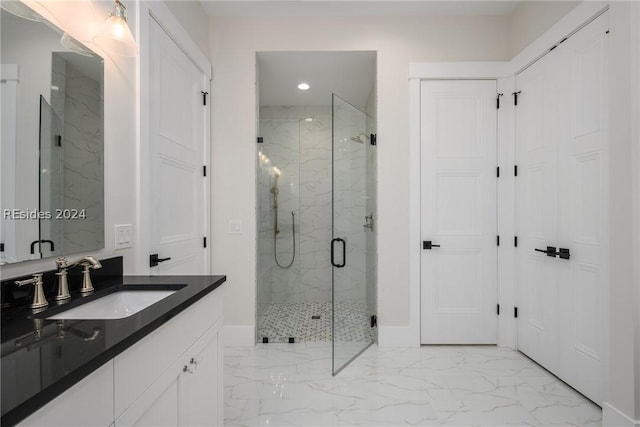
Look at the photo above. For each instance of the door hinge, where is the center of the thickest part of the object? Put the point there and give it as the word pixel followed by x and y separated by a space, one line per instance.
pixel 515 241
pixel 515 170
pixel 498 309
pixel 498 172
pixel 204 97
pixel 204 170
pixel 498 240
pixel 204 241
pixel 374 321
pixel 260 140
pixel 58 140
pixel 515 97
pixel 1 247
pixel 374 139
pixel 498 100
pixel 515 312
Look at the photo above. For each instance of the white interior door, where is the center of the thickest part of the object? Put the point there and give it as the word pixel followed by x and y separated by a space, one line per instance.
pixel 458 205
pixel 177 146
pixel 563 203
pixel 539 120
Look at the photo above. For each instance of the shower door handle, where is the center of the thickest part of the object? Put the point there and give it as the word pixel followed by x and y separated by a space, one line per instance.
pixel 344 252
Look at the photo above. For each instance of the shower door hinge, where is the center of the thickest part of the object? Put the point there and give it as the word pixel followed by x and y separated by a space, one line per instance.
pixel 260 140
pixel 515 241
pixel 204 97
pixel 498 100
pixel 1 247
pixel 497 240
pixel 204 241
pixel 515 170
pixel 515 312
pixel 204 170
pixel 497 171
pixel 374 139
pixel 374 321
pixel 498 309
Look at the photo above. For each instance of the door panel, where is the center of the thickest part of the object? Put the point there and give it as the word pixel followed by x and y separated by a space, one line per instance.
pixel 564 204
pixel 583 213
pixel 177 221
pixel 458 146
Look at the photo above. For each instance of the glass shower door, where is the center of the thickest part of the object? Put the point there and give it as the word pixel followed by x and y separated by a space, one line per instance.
pixel 352 323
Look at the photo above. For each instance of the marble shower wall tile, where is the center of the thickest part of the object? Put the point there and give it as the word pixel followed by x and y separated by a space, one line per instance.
pixel 301 150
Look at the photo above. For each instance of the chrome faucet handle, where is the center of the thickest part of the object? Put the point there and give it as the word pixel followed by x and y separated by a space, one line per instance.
pixel 38 296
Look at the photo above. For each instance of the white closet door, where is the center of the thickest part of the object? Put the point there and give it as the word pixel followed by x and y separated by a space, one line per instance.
pixel 458 181
pixel 562 201
pixel 538 120
pixel 177 216
pixel 584 213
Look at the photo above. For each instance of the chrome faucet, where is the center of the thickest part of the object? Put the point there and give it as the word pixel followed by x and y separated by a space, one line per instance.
pixel 88 263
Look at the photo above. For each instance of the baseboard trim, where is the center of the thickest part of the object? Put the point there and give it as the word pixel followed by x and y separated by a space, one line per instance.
pixel 398 336
pixel 239 336
pixel 613 417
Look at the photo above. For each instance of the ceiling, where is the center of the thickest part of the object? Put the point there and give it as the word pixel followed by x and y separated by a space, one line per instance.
pixel 350 8
pixel 351 75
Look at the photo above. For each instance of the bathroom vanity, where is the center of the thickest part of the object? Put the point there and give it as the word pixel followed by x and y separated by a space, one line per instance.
pixel 161 365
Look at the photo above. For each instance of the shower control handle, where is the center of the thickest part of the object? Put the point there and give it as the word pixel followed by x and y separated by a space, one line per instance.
pixel 344 252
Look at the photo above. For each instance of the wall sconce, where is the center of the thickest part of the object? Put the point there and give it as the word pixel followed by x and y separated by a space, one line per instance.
pixel 115 34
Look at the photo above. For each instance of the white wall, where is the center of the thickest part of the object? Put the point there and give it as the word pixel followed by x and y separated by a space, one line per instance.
pixel 193 18
pixel 624 345
pixel 532 18
pixel 398 41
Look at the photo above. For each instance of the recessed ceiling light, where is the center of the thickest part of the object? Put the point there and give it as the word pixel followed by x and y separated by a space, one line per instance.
pixel 303 86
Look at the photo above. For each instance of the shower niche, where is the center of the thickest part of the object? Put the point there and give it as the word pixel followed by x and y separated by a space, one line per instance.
pixel 316 200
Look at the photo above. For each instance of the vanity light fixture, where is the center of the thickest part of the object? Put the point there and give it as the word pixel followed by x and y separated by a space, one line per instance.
pixel 303 86
pixel 115 34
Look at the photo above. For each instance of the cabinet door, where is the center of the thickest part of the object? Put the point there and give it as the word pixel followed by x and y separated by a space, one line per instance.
pixel 160 404
pixel 203 397
pixel 88 403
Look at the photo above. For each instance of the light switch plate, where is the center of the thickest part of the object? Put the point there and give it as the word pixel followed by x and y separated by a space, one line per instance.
pixel 123 236
pixel 235 226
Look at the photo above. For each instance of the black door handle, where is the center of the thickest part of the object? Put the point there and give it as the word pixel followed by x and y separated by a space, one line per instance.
pixel 344 252
pixel 563 253
pixel 426 244
pixel 155 260
pixel 550 251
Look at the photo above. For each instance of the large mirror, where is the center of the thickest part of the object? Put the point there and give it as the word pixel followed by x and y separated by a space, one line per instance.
pixel 52 141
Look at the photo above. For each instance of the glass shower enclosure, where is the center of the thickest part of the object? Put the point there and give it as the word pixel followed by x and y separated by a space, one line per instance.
pixel 316 205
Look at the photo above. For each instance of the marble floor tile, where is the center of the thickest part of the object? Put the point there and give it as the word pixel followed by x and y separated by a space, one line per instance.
pixel 292 385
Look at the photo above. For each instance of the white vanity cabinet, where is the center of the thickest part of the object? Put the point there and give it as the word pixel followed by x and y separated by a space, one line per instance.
pixel 188 393
pixel 88 403
pixel 171 377
pixel 159 383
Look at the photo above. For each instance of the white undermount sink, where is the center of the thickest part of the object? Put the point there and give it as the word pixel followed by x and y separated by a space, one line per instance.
pixel 117 305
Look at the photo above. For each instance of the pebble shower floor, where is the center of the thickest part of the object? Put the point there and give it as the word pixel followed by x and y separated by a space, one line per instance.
pixel 311 322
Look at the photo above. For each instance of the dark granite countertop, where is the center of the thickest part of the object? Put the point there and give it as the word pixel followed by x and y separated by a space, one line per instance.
pixel 43 358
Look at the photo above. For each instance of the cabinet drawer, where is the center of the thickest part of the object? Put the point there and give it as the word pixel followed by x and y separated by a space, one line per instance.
pixel 140 365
